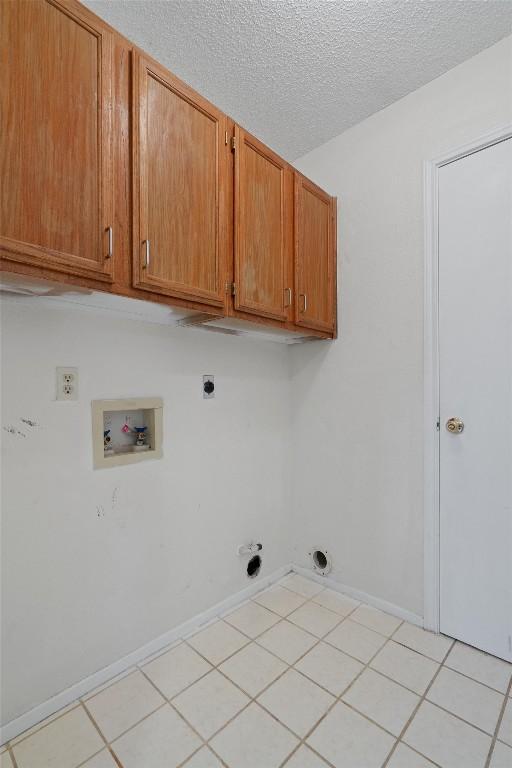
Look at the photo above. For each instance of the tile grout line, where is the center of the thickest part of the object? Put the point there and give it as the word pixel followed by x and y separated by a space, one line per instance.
pixel 338 699
pixel 252 699
pixel 498 724
pixel 98 729
pixel 213 667
pixel 416 708
pixel 458 717
pixel 205 742
pixel 117 678
pixel 169 701
pixel 184 638
pixel 473 679
pixel 10 752
pixel 43 724
pixel 302 741
pixel 91 717
pixel 288 667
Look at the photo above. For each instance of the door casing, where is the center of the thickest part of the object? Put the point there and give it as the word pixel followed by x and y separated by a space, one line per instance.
pixel 431 498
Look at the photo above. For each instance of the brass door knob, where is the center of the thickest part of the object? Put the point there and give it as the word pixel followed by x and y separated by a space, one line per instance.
pixel 455 425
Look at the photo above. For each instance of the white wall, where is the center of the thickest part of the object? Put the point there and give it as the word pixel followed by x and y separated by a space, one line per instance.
pixel 98 563
pixel 358 403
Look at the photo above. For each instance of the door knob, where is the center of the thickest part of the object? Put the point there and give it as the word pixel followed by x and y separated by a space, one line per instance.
pixel 455 425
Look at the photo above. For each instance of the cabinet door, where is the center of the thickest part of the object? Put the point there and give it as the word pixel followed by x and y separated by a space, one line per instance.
pixel 315 256
pixel 56 194
pixel 263 229
pixel 181 177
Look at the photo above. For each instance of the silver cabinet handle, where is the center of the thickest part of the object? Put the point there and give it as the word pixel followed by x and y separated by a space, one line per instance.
pixel 304 302
pixel 110 252
pixel 288 292
pixel 146 255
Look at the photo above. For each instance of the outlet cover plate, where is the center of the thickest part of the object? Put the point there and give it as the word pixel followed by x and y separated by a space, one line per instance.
pixel 66 383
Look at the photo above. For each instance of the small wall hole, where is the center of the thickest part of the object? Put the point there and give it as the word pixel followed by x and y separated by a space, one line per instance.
pixel 320 559
pixel 254 566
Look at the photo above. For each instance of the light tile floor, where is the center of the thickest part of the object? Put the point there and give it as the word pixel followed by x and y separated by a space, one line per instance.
pixel 301 677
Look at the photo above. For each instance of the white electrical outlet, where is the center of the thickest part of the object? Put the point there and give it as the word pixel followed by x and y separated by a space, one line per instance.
pixel 67 383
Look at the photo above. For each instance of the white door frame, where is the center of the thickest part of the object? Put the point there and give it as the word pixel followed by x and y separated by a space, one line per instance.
pixel 431 426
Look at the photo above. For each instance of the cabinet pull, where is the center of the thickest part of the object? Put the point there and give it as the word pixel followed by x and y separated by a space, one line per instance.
pixel 110 251
pixel 146 255
pixel 288 301
pixel 304 302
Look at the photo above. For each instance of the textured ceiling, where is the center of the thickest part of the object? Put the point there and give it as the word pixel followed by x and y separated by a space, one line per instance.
pixel 298 72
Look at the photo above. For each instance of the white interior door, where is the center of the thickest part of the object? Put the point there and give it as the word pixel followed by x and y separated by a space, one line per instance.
pixel 475 358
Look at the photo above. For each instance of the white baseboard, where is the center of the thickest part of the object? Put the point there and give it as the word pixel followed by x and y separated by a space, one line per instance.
pixel 376 602
pixel 13 728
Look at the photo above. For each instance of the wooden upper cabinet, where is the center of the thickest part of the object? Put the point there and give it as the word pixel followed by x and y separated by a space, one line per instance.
pixel 56 197
pixel 263 229
pixel 315 256
pixel 181 178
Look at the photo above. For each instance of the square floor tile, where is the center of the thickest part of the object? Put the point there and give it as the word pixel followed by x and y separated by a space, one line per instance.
pixel 336 601
pixel 253 668
pixel 501 756
pixel 406 666
pixel 466 698
pixel 348 739
pixel 304 587
pixel 376 620
pixel 217 641
pixel 382 700
pixel 446 740
pixel 254 740
pixel 305 758
pixel 287 641
pixel 210 703
pixel 103 760
pixel 405 757
pixel 162 739
pixel 505 732
pixel 64 743
pixel 315 619
pixel 252 619
pixel 42 723
pixel 427 643
pixel 175 670
pixel 280 600
pixel 203 759
pixel 122 705
pixel 329 667
pixel 480 666
pixel 355 640
pixel 296 701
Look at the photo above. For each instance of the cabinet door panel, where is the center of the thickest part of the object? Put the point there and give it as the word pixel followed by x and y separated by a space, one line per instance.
pixel 56 198
pixel 180 195
pixel 315 256
pixel 263 207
